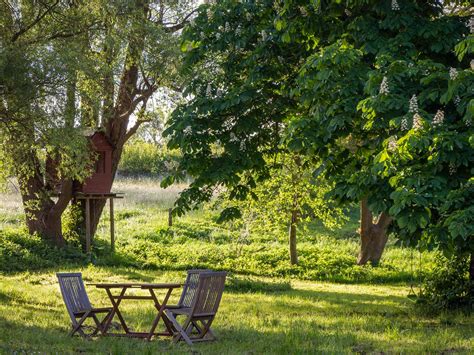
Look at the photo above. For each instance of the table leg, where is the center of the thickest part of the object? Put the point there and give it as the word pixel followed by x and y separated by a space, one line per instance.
pixel 169 325
pixel 115 310
pixel 160 314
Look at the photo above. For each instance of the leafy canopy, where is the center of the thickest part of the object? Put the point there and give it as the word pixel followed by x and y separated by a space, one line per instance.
pixel 378 92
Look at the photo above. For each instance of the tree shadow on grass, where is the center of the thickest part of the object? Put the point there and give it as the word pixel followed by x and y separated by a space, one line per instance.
pixel 346 303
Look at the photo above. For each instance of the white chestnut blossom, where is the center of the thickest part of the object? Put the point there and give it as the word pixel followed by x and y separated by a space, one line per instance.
pixel 457 100
pixel 238 30
pixel 229 124
pixel 218 35
pixel 187 131
pixel 227 27
pixel 347 12
pixel 453 73
pixel 413 107
pixel 209 14
pixel 242 145
pixel 395 6
pixel 392 144
pixel 471 24
pixel 417 121
pixel 438 119
pixel 404 124
pixel 472 64
pixel 452 169
pixel 303 11
pixel 248 16
pixel 233 137
pixel 384 89
pixel 263 34
pixel 208 90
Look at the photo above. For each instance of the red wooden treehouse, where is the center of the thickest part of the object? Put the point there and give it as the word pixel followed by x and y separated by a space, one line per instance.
pixel 98 186
pixel 100 182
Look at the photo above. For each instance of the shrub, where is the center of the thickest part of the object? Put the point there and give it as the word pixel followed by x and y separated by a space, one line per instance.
pixel 20 251
pixel 143 158
pixel 448 286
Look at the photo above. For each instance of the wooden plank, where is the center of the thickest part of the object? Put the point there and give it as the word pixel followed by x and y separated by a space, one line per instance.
pixel 112 225
pixel 88 226
pixel 132 297
pixel 135 285
pixel 95 197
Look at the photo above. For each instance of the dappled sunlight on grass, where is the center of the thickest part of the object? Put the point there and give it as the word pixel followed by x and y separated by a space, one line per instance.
pixel 267 307
pixel 310 317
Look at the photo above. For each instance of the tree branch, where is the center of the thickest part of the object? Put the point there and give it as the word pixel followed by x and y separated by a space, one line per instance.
pixel 38 18
pixel 384 220
pixel 64 197
pixel 137 124
pixel 180 25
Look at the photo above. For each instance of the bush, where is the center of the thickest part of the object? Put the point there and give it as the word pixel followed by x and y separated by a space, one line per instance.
pixel 448 286
pixel 20 251
pixel 143 158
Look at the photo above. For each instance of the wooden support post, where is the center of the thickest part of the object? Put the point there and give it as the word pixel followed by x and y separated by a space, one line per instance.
pixel 112 226
pixel 88 226
pixel 170 217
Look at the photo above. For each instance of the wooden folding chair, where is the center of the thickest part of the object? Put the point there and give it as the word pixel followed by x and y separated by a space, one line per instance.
pixel 202 310
pixel 78 304
pixel 189 289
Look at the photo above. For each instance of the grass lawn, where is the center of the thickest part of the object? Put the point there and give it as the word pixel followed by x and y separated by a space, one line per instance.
pixel 326 304
pixel 309 317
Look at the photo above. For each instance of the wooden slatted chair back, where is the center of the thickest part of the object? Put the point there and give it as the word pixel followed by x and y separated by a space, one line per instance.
pixel 208 293
pixel 190 286
pixel 74 293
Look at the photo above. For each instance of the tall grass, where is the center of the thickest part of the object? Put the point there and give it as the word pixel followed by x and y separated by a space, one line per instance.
pixel 144 240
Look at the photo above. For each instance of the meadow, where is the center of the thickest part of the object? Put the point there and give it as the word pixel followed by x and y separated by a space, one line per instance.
pixel 326 304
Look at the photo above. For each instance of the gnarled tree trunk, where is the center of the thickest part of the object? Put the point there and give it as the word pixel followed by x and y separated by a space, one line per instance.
pixel 373 235
pixel 43 215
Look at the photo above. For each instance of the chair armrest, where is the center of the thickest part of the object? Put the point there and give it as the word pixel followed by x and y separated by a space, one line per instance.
pixel 172 306
pixel 101 309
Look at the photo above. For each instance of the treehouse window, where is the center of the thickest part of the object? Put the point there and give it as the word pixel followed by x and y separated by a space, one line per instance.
pixel 100 163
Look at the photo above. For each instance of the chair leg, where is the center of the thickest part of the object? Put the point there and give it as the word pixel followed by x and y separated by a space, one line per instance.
pixel 76 326
pixel 100 325
pixel 206 330
pixel 180 333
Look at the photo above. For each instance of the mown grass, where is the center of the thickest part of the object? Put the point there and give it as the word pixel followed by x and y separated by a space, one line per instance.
pixel 308 318
pixel 326 304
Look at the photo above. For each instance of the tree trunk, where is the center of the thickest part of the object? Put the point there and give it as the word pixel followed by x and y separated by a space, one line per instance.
pixel 373 235
pixel 43 215
pixel 292 238
pixel 471 273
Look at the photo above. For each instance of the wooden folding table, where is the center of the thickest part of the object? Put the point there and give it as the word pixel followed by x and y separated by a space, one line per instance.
pixel 116 300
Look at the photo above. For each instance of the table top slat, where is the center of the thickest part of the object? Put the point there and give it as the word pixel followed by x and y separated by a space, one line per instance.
pixel 137 285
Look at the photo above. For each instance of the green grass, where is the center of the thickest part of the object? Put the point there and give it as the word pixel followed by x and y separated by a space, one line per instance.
pixel 325 304
pixel 310 317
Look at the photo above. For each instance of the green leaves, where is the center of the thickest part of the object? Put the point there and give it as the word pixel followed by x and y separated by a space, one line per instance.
pixel 311 79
